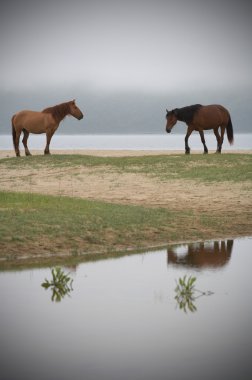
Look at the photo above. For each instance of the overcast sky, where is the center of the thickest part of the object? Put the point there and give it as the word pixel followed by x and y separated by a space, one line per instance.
pixel 152 45
pixel 140 46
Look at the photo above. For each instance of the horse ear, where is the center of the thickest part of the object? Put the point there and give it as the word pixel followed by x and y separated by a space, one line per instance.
pixel 74 100
pixel 167 110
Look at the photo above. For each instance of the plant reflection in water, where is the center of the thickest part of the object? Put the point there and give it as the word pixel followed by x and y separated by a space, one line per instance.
pixel 186 293
pixel 61 284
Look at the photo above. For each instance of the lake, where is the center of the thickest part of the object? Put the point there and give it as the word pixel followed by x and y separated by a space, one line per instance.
pixel 122 320
pixel 131 142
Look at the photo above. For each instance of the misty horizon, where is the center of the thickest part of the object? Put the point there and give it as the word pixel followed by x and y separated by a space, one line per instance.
pixel 125 62
pixel 124 112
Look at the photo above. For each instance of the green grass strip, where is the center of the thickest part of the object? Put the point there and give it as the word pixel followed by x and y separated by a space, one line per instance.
pixel 207 168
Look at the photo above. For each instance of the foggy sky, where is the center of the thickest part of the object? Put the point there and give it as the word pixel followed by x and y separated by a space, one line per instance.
pixel 152 47
pixel 143 45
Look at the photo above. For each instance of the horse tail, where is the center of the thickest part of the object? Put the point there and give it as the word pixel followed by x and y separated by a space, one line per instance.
pixel 230 133
pixel 13 131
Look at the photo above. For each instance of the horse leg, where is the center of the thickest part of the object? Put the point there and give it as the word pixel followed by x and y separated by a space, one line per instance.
pixel 188 134
pixel 25 138
pixel 18 133
pixel 203 141
pixel 222 136
pixel 48 140
pixel 218 138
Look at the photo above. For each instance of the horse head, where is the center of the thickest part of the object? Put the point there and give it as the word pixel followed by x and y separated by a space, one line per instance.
pixel 171 117
pixel 75 111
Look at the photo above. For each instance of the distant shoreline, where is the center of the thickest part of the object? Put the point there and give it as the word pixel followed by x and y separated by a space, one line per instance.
pixel 128 142
pixel 163 133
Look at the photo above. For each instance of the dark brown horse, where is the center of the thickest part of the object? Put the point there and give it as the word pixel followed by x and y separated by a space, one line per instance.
pixel 200 118
pixel 46 121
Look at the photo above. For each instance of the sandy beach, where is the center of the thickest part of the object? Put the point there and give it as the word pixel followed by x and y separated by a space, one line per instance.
pixel 115 153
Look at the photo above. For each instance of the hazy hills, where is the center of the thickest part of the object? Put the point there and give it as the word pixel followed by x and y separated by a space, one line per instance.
pixel 125 112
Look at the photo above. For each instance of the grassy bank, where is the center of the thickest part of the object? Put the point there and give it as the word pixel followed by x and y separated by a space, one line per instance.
pixel 207 168
pixel 37 224
pixel 35 227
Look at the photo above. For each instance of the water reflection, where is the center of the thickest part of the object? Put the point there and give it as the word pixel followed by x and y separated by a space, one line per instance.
pixel 186 293
pixel 112 327
pixel 60 284
pixel 201 255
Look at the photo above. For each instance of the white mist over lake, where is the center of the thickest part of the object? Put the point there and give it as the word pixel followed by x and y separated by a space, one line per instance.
pixel 128 142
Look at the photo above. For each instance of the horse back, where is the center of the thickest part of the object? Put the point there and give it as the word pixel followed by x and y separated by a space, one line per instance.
pixel 33 121
pixel 211 116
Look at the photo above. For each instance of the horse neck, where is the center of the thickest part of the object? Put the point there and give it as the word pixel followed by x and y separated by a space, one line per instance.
pixel 179 115
pixel 58 112
pixel 61 111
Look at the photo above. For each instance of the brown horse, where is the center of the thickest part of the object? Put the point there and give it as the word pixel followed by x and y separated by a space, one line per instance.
pixel 46 121
pixel 200 118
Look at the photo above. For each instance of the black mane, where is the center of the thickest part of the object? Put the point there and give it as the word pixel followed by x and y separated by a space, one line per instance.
pixel 186 114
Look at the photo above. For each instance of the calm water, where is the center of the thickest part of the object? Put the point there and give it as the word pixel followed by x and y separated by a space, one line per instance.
pixel 134 142
pixel 121 321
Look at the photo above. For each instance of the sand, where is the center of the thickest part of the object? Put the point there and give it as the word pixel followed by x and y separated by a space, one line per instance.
pixel 114 153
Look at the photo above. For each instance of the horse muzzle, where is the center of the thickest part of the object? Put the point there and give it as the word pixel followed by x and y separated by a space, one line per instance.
pixel 168 130
pixel 81 117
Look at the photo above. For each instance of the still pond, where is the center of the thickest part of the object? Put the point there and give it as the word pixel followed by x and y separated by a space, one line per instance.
pixel 122 318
